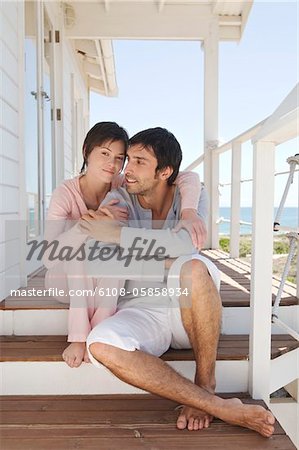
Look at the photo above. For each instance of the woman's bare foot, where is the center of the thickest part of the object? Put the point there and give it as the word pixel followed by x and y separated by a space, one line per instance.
pixel 254 417
pixel 86 356
pixel 75 353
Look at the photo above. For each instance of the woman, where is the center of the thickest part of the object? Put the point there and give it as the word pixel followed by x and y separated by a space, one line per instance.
pixel 104 152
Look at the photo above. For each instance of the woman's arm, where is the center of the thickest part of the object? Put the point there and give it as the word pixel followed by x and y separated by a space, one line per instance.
pixel 191 199
pixel 190 188
pixel 60 230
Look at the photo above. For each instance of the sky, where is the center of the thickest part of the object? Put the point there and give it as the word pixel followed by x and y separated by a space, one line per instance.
pixel 161 84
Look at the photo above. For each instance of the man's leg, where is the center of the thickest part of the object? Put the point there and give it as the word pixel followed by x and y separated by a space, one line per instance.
pixel 201 317
pixel 154 375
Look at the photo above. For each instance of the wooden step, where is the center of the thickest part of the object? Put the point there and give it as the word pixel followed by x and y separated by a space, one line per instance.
pixel 112 422
pixel 50 348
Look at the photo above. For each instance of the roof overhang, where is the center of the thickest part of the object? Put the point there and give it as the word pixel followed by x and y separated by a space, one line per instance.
pixel 95 23
pixel 97 62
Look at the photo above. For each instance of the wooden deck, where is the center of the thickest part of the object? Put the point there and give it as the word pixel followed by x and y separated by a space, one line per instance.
pixel 49 348
pixel 235 287
pixel 118 422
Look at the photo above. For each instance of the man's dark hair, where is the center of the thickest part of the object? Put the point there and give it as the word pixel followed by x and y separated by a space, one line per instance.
pixel 165 147
pixel 102 132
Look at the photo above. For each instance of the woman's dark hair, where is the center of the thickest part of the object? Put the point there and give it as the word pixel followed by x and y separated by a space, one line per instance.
pixel 165 147
pixel 102 132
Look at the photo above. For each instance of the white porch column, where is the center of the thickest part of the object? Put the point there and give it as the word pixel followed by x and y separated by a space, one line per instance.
pixel 235 200
pixel 211 170
pixel 261 270
pixel 58 80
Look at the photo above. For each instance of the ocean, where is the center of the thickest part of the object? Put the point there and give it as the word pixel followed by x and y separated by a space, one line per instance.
pixel 289 218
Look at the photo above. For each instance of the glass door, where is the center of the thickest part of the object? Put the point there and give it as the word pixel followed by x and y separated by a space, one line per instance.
pixel 48 93
pixel 38 120
pixel 33 194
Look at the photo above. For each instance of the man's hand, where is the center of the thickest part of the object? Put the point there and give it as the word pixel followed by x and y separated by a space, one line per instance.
pixel 195 226
pixel 100 226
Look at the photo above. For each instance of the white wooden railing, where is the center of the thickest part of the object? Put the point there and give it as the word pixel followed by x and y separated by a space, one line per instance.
pixel 280 127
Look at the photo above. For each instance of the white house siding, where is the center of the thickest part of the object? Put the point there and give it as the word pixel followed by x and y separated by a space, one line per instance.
pixel 74 88
pixel 11 51
pixel 12 167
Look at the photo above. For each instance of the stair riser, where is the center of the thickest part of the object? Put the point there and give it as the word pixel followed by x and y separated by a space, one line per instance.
pixel 235 320
pixel 56 378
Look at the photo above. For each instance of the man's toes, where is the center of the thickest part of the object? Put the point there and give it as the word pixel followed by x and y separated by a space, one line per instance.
pixel 196 424
pixel 270 419
pixel 181 422
pixel 190 423
pixel 269 430
pixel 206 422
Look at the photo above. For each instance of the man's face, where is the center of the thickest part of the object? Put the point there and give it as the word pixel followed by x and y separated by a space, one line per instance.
pixel 140 171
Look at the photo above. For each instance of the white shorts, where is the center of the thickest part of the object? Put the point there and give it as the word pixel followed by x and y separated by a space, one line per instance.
pixel 149 329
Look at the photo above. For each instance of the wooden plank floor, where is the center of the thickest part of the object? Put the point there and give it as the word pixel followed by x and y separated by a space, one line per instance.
pixel 50 348
pixel 235 286
pixel 114 422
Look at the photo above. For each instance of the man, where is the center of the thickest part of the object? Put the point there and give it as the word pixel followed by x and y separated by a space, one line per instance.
pixel 145 326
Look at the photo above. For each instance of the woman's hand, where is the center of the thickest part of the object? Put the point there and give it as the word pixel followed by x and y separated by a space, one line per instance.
pixel 119 213
pixel 195 226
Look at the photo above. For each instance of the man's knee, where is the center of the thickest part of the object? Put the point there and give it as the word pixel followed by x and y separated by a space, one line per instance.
pixel 102 352
pixel 194 270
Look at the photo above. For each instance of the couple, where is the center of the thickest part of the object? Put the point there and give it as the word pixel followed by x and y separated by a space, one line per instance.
pixel 130 341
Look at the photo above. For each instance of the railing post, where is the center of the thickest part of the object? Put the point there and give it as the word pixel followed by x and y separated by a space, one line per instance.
pixel 235 200
pixel 210 45
pixel 261 270
pixel 297 265
pixel 214 199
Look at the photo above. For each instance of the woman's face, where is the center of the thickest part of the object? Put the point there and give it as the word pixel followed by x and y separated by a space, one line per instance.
pixel 106 160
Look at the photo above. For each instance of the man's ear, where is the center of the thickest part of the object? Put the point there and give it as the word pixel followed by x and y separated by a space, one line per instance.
pixel 165 173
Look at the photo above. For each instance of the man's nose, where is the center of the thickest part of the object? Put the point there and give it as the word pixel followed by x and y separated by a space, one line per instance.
pixel 128 170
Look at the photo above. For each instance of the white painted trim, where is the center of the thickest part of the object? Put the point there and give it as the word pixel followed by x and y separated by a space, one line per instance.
pixel 56 378
pixel 127 20
pixel 235 320
pixel 235 200
pixel 261 269
pixel 284 370
pixel 22 172
pixel 211 169
pixel 288 416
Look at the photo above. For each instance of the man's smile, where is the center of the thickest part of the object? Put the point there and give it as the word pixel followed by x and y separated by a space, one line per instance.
pixel 130 180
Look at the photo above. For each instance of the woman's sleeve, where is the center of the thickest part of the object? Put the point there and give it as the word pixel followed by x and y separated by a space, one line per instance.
pixel 190 189
pixel 56 237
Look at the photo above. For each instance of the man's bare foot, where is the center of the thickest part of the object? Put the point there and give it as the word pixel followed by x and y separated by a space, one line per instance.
pixel 193 419
pixel 254 417
pixel 75 353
